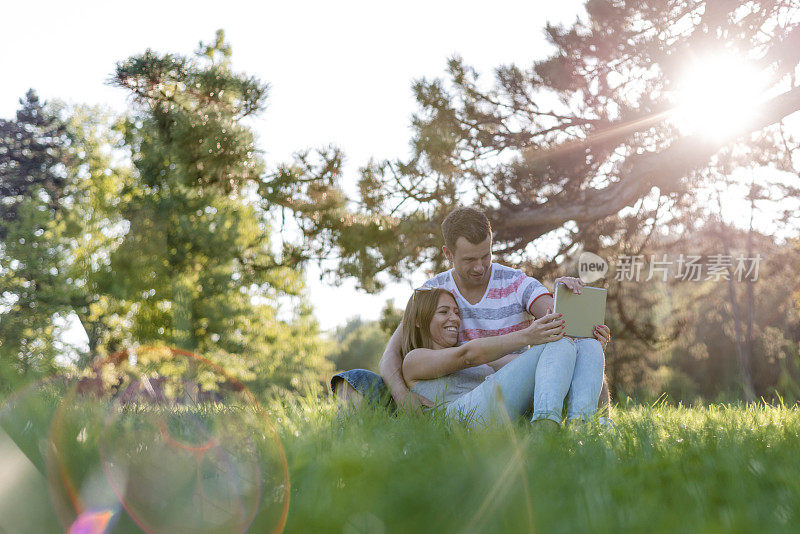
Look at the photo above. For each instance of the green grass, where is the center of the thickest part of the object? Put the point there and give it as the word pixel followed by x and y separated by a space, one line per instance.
pixel 662 469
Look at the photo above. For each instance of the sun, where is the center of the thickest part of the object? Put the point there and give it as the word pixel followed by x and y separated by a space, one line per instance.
pixel 717 95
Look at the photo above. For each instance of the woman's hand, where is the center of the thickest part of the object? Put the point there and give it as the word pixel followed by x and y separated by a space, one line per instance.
pixel 575 284
pixel 602 334
pixel 547 328
pixel 412 402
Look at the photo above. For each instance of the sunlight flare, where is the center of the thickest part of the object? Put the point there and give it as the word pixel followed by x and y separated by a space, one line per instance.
pixel 717 95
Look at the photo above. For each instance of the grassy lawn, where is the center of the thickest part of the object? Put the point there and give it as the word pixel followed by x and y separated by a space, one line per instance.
pixel 661 469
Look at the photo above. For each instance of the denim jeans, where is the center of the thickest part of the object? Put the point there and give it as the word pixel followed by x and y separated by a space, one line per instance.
pixel 368 384
pixel 542 376
pixel 545 375
pixel 587 379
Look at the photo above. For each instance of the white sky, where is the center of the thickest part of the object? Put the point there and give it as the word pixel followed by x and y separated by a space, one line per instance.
pixel 340 72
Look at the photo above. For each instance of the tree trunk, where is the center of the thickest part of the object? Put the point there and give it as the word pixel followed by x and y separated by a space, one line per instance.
pixel 741 350
pixel 750 283
pixel 183 303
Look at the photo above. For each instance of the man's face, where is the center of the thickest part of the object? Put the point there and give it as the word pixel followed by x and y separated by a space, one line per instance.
pixel 471 263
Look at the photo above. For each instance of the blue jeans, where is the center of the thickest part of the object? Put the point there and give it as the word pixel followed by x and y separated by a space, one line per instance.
pixel 587 379
pixel 544 375
pixel 568 367
pixel 370 385
pixel 540 376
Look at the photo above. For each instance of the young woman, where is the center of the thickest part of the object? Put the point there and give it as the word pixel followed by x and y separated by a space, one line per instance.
pixel 459 379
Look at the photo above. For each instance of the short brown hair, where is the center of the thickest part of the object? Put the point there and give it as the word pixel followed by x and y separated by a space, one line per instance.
pixel 419 311
pixel 468 223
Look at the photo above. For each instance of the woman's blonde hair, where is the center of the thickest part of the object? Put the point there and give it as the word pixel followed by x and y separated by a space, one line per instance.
pixel 417 318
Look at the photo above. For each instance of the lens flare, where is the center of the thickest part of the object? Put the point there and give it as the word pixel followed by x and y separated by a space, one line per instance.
pixel 189 468
pixel 161 439
pixel 25 419
pixel 717 96
pixel 92 522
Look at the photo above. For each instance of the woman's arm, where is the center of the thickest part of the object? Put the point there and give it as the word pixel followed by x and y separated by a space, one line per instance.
pixel 390 369
pixel 424 364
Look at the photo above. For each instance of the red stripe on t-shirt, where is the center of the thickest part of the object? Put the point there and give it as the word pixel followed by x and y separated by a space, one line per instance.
pixel 500 292
pixel 475 333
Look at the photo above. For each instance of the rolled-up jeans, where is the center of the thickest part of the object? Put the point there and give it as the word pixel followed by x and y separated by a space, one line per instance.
pixel 369 384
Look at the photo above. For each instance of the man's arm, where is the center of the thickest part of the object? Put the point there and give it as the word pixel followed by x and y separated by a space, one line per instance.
pixel 391 370
pixel 541 305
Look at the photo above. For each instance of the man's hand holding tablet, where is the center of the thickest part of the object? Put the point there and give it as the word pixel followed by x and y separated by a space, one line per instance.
pixel 583 308
pixel 575 284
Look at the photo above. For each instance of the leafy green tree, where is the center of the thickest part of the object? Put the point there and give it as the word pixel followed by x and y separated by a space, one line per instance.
pixel 34 152
pixel 691 353
pixel 360 345
pixel 391 317
pixel 94 227
pixel 57 250
pixel 157 240
pixel 197 260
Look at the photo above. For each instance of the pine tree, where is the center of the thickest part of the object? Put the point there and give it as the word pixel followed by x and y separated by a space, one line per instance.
pixel 33 159
pixel 578 147
pixel 197 258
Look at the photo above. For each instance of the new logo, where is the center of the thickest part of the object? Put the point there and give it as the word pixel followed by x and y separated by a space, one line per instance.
pixel 591 267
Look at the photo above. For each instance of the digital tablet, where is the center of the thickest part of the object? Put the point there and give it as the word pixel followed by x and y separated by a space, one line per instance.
pixel 581 312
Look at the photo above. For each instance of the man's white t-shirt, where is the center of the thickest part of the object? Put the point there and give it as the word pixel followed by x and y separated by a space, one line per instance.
pixel 504 308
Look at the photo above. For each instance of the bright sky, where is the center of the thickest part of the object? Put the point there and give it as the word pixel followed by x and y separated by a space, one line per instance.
pixel 340 72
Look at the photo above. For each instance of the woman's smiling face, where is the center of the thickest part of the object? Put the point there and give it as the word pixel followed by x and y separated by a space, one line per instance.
pixel 445 323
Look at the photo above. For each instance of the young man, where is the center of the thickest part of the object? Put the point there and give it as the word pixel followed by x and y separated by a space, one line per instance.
pixel 493 300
